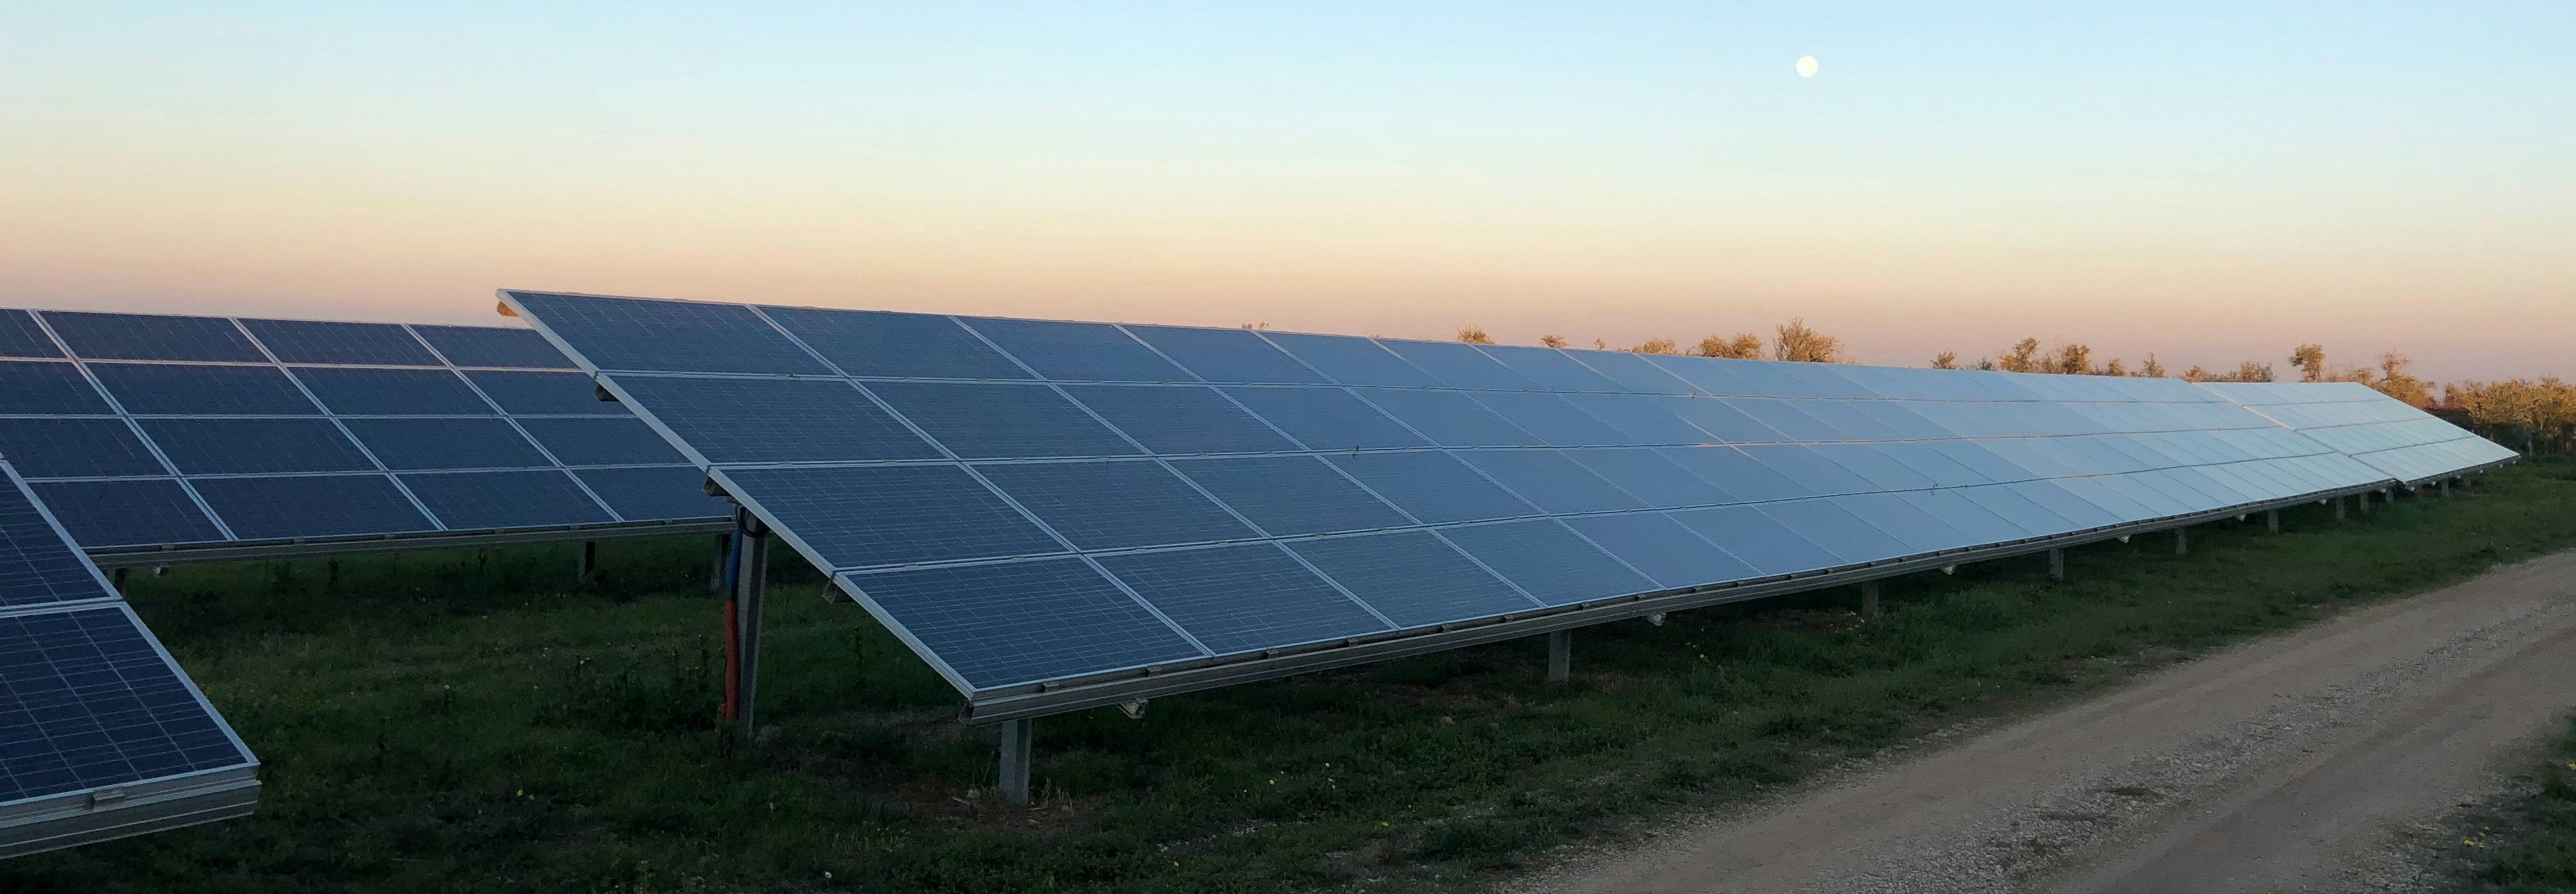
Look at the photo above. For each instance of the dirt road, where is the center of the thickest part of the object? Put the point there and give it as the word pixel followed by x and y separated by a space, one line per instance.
pixel 2296 763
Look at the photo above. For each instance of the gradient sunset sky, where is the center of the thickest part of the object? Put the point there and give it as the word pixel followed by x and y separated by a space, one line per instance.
pixel 2211 182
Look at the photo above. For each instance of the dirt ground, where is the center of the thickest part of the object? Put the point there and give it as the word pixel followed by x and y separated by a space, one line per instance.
pixel 2330 759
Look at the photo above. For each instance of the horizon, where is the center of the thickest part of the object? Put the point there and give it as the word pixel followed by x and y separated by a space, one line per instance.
pixel 2211 185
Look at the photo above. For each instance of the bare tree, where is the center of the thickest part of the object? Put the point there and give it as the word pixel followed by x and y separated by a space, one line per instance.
pixel 1474 335
pixel 1656 346
pixel 1946 360
pixel 2115 368
pixel 1798 343
pixel 2153 368
pixel 1553 341
pixel 2311 361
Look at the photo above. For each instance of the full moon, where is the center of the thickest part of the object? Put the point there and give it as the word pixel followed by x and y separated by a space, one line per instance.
pixel 1806 66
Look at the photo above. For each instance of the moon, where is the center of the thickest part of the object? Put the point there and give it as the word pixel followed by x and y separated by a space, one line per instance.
pixel 1806 66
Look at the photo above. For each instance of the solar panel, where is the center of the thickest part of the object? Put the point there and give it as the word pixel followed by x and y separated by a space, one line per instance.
pixel 1132 503
pixel 101 734
pixel 2382 432
pixel 165 438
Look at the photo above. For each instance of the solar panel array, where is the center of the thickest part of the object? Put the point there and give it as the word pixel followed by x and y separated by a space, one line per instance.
pixel 146 432
pixel 1029 503
pixel 101 734
pixel 2388 434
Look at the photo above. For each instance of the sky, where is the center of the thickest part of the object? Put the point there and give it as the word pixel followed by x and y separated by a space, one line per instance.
pixel 2212 183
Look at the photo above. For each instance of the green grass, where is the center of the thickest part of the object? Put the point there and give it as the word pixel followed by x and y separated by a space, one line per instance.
pixel 2538 853
pixel 468 721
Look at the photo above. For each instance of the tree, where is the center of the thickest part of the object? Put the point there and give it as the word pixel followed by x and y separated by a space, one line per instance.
pixel 1799 344
pixel 1474 335
pixel 1743 346
pixel 2311 361
pixel 1946 360
pixel 2073 360
pixel 2250 371
pixel 2024 357
pixel 2396 382
pixel 1599 345
pixel 1656 346
pixel 2153 368
pixel 2115 368
pixel 1553 341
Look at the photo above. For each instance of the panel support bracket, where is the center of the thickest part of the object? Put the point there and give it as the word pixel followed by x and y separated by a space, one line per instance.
pixel 2057 564
pixel 1869 599
pixel 2272 521
pixel 742 622
pixel 2182 540
pixel 1560 656
pixel 1017 737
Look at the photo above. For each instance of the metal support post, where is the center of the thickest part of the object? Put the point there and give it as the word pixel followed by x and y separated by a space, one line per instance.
pixel 2442 488
pixel 749 583
pixel 588 571
pixel 1560 656
pixel 120 579
pixel 2338 501
pixel 1869 599
pixel 1017 737
pixel 720 575
pixel 2182 541
pixel 2272 520
pixel 2057 565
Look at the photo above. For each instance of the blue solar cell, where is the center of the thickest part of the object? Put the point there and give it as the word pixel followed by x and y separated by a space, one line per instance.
pixel 1882 471
pixel 311 506
pixel 1980 460
pixel 1115 505
pixel 92 702
pixel 654 493
pixel 1729 470
pixel 493 347
pixel 1181 419
pixel 858 517
pixel 1555 422
pixel 255 446
pixel 37 564
pixel 1449 418
pixel 1757 540
pixel 1433 487
pixel 1326 418
pixel 1020 622
pixel 1412 577
pixel 2077 511
pixel 1722 422
pixel 1652 542
pixel 2121 506
pixel 405 445
pixel 166 389
pixel 1823 379
pixel 1811 470
pixel 1548 561
pixel 895 345
pixel 47 389
pixel 1243 598
pixel 75 448
pixel 1765 378
pixel 1652 477
pixel 601 442
pixel 775 420
pixel 99 336
pixel 1460 366
pixel 1641 419
pixel 314 341
pixel 21 337
pixel 2033 519
pixel 663 336
pixel 1352 361
pixel 131 512
pixel 1920 531
pixel 1551 368
pixel 1633 372
pixel 1920 458
pixel 1550 480
pixel 1289 495
pixel 1227 355
pixel 1789 419
pixel 1706 375
pixel 544 393
pixel 1845 535
pixel 473 501
pixel 1002 421
pixel 400 392
pixel 1079 352
pixel 1845 416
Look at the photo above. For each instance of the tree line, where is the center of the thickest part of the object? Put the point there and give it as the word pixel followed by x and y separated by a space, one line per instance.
pixel 2538 413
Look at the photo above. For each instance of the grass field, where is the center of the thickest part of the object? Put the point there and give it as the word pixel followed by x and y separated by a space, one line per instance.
pixel 2537 852
pixel 468 721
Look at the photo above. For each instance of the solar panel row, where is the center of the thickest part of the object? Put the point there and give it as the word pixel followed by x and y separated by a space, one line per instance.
pixel 1029 503
pixel 2408 444
pixel 101 734
pixel 149 432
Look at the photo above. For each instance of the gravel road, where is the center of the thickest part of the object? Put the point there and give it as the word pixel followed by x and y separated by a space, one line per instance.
pixel 2322 760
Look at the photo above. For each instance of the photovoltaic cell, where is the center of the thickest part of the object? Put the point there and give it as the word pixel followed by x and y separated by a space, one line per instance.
pixel 1449 418
pixel 1290 495
pixel 365 344
pixel 1652 478
pixel 255 446
pixel 98 336
pixel 1737 474
pixel 1002 421
pixel 671 336
pixel 603 442
pixel 1227 355
pixel 1180 419
pixel 895 345
pixel 1460 366
pixel 1551 368
pixel 406 445
pixel 75 448
pixel 776 420
pixel 1326 418
pixel 354 391
pixel 1757 539
pixel 860 517
pixel 1548 561
pixel 36 566
pixel 469 501
pixel 1017 622
pixel 1079 352
pixel 486 346
pixel 311 506
pixel 1411 577
pixel 1244 597
pixel 131 512
pixel 21 337
pixel 47 389
pixel 1550 480
pixel 1555 422
pixel 146 389
pixel 1653 543
pixel 1351 361
pixel 1112 505
pixel 1434 488
pixel 543 393
pixel 88 701
pixel 650 493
